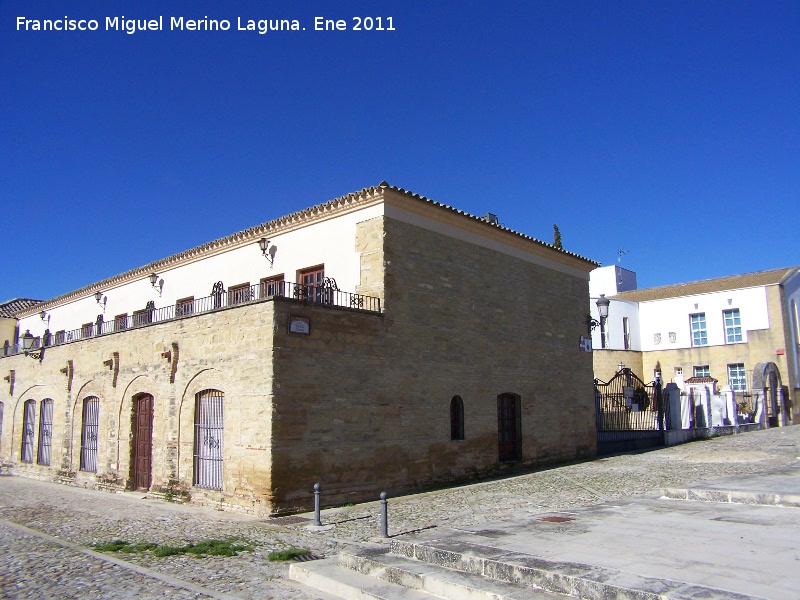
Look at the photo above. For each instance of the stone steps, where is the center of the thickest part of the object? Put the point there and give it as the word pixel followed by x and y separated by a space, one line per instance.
pixel 380 575
pixel 457 570
pixel 559 579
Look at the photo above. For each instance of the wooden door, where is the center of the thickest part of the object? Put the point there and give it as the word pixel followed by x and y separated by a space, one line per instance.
pixel 142 442
pixel 508 427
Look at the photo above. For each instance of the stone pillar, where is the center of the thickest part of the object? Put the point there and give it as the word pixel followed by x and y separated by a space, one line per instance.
pixel 759 400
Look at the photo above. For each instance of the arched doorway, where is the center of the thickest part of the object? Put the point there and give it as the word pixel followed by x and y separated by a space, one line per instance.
pixel 142 447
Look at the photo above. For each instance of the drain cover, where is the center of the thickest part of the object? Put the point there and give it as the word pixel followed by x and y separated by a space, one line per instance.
pixel 289 520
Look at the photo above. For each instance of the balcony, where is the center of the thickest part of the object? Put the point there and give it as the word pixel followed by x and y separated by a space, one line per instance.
pixel 324 293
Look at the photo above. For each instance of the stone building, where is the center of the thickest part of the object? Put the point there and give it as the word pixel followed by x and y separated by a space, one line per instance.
pixel 380 341
pixel 741 331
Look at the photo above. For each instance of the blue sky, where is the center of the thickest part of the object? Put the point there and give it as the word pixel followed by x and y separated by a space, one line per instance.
pixel 668 129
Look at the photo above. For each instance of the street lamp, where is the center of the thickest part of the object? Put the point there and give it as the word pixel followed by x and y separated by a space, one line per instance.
pixel 27 346
pixel 602 310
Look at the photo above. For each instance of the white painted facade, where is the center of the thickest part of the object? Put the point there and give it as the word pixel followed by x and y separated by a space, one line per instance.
pixel 329 242
pixel 660 319
pixel 609 281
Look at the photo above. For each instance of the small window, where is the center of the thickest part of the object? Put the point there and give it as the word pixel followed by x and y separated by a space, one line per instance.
pixel 28 431
pixel 121 322
pixel 239 293
pixel 86 330
pixel 45 432
pixel 456 418
pixel 733 326
pixel 699 333
pixel 678 371
pixel 60 336
pixel 737 378
pixel 701 371
pixel 272 286
pixel 626 333
pixel 184 307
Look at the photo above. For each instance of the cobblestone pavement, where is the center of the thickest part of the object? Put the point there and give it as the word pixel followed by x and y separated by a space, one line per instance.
pixel 46 529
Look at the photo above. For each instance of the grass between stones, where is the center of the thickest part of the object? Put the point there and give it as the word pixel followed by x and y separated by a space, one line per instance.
pixel 204 548
pixel 288 554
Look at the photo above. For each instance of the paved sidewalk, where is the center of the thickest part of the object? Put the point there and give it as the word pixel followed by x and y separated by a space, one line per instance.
pixel 46 529
pixel 658 545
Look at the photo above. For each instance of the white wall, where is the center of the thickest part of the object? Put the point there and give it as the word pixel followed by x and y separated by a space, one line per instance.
pixel 791 290
pixel 611 280
pixel 672 315
pixel 331 242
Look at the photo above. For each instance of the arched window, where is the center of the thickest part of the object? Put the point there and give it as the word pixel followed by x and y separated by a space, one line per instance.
pixel 89 430
pixel 28 431
pixel 456 418
pixel 45 431
pixel 208 434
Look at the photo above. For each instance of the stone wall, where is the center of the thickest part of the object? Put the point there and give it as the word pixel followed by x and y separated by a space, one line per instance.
pixel 229 350
pixel 606 363
pixel 362 403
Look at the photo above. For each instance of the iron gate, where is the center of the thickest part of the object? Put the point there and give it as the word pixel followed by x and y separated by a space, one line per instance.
pixel 630 413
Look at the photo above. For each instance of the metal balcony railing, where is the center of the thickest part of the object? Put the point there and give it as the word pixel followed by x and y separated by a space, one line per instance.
pixel 324 293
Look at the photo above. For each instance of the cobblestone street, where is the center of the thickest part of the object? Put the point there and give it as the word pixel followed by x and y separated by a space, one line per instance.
pixel 46 530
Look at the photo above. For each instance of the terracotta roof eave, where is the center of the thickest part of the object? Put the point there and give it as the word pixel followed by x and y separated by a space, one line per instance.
pixel 496 226
pixel 290 221
pixel 708 286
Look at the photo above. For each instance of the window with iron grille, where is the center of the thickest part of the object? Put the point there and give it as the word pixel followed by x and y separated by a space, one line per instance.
pixel 184 306
pixel 699 333
pixel 208 438
pixel 272 286
pixel 121 322
pixel 239 293
pixel 701 371
pixel 456 418
pixel 89 430
pixel 737 378
pixel 28 431
pixel 733 326
pixel 45 431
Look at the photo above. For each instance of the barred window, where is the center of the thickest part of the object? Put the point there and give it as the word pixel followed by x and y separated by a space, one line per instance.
pixel 91 421
pixel 28 431
pixel 45 431
pixel 184 306
pixel 272 286
pixel 121 322
pixel 208 436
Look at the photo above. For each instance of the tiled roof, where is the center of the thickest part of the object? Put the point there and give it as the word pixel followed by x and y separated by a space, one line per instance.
pixel 701 380
pixel 705 286
pixel 495 225
pixel 10 309
pixel 350 201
